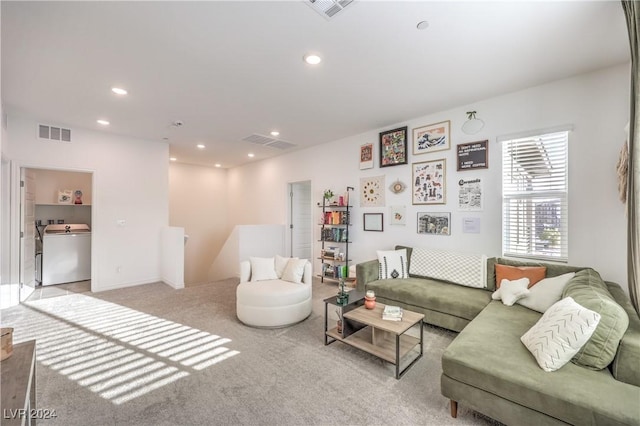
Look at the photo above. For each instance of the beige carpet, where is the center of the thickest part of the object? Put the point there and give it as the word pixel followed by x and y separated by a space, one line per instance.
pixel 151 355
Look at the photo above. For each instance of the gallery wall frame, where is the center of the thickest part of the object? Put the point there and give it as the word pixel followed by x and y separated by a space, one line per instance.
pixel 373 222
pixel 393 147
pixel 432 138
pixel 434 223
pixel 472 155
pixel 429 182
pixel 366 156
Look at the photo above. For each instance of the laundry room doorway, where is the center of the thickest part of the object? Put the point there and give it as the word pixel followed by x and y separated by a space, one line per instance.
pixel 56 212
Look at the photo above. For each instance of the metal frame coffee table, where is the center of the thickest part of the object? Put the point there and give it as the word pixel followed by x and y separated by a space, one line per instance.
pixel 366 330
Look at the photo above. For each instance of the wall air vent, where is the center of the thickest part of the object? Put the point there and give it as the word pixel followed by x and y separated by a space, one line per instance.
pixel 54 133
pixel 328 8
pixel 267 141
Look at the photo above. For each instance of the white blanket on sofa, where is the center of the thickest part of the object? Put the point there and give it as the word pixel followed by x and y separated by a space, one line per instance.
pixel 465 269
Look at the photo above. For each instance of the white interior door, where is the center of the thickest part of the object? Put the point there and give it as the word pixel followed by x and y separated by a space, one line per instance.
pixel 300 222
pixel 27 233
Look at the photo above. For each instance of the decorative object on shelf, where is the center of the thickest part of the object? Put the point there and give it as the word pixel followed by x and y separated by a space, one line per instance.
pixel 473 125
pixel 328 194
pixel 370 300
pixel 64 196
pixel 435 223
pixel 432 138
pixel 343 296
pixel 77 197
pixel 470 196
pixel 397 187
pixel 397 215
pixel 372 191
pixel 366 156
pixel 340 319
pixel 429 182
pixel 393 147
pixel 372 222
pixel 473 155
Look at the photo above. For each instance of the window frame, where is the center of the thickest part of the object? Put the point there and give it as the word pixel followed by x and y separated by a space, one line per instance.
pixel 543 161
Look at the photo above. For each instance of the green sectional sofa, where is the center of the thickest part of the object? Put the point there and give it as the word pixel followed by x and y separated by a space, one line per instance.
pixel 488 369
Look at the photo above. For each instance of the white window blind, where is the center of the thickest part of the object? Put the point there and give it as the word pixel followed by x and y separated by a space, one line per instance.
pixel 534 194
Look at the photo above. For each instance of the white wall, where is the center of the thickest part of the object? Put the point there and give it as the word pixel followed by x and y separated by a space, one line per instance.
pixel 596 104
pixel 198 203
pixel 130 183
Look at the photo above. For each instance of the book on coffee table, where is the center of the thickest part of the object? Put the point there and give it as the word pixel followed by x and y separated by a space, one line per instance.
pixel 392 313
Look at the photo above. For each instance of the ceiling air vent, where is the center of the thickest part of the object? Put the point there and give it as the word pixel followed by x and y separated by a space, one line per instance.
pixel 328 8
pixel 54 133
pixel 267 141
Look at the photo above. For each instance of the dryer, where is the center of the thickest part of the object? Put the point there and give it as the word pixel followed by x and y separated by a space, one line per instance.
pixel 66 253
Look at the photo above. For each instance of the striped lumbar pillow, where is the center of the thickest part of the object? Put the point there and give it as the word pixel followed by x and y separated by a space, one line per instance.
pixel 393 264
pixel 560 333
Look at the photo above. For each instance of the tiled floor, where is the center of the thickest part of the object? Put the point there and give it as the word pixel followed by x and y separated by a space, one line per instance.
pixel 45 292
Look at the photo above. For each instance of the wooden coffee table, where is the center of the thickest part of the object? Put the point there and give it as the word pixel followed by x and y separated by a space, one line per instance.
pixel 383 338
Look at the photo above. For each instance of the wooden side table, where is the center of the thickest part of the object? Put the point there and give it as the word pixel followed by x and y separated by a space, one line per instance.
pixel 18 383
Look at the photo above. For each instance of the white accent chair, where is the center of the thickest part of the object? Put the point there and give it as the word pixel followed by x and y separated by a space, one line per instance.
pixel 272 303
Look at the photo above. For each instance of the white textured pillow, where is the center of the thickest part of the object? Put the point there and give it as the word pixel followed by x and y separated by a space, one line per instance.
pixel 281 263
pixel 546 292
pixel 560 333
pixel 294 270
pixel 263 268
pixel 393 264
pixel 511 291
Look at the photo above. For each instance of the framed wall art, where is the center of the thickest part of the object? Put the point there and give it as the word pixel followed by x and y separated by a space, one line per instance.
pixel 398 215
pixel 393 147
pixel 470 195
pixel 429 182
pixel 473 155
pixel 373 222
pixel 366 156
pixel 372 191
pixel 432 138
pixel 435 223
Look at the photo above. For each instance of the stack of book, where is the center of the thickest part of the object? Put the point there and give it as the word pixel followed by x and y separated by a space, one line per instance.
pixel 392 313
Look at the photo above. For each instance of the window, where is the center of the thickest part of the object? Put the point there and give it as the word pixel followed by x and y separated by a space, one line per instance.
pixel 534 197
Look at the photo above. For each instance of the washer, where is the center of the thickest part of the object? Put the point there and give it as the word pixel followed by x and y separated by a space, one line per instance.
pixel 66 253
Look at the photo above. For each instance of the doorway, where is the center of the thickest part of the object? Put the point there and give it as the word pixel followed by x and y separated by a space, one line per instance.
pixel 300 220
pixel 61 198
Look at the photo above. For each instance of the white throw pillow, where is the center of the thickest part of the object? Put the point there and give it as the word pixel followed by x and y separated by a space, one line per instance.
pixel 393 264
pixel 294 270
pixel 263 268
pixel 511 291
pixel 281 263
pixel 560 333
pixel 546 292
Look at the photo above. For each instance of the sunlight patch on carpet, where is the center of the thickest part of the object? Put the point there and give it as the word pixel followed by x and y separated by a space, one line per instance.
pixel 117 352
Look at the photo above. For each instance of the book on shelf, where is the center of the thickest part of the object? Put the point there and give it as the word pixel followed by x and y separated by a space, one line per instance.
pixel 392 313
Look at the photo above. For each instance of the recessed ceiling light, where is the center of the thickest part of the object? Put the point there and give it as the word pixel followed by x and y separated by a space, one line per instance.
pixel 217 165
pixel 422 25
pixel 103 122
pixel 275 133
pixel 251 154
pixel 201 146
pixel 173 159
pixel 119 91
pixel 312 59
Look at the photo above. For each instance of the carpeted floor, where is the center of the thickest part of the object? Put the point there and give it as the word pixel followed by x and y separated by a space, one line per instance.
pixel 151 355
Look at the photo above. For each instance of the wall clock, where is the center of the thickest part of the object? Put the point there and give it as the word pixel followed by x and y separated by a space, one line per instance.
pixel 372 191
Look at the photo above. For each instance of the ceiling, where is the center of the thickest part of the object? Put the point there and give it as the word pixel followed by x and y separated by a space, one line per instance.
pixel 230 69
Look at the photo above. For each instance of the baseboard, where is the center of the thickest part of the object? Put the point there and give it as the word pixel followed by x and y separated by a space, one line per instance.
pixel 97 288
